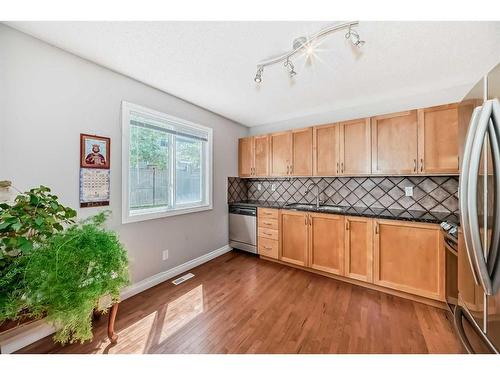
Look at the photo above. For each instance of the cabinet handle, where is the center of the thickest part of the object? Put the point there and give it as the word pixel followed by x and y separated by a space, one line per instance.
pixel 291 168
pixel 342 167
pixel 337 167
pixel 346 225
pixel 421 165
pixel 414 165
pixel 310 219
pixel 376 228
pixel 267 248
pixel 305 219
pixel 287 169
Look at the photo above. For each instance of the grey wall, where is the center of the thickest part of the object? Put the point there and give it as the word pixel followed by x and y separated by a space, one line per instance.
pixel 48 97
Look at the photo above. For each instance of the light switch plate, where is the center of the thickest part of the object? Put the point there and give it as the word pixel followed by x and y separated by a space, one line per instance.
pixel 409 191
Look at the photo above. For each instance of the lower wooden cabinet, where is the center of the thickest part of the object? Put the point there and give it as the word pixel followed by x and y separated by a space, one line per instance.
pixel 326 243
pixel 294 237
pixel 268 232
pixel 359 248
pixel 409 257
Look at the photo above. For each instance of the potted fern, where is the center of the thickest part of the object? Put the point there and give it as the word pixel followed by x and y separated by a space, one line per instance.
pixel 56 268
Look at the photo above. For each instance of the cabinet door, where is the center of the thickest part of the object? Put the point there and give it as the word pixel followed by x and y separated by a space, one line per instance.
pixel 394 143
pixel 438 139
pixel 261 164
pixel 301 152
pixel 326 150
pixel 294 241
pixel 245 156
pixel 326 243
pixel 409 257
pixel 355 147
pixel 359 248
pixel 281 153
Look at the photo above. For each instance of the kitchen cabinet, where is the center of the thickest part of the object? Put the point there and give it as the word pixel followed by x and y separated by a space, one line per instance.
pixel 268 232
pixel 438 139
pixel 253 156
pixel 355 147
pixel 326 243
pixel 326 150
pixel 394 143
pixel 294 237
pixel 245 156
pixel 359 248
pixel 281 153
pixel 261 156
pixel 302 142
pixel 409 257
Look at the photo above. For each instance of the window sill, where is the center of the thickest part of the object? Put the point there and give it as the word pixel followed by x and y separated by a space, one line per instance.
pixel 127 218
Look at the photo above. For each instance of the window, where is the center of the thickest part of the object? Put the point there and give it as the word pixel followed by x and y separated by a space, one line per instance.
pixel 167 165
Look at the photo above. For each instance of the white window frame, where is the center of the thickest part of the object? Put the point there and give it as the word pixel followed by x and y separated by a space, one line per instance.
pixel 159 212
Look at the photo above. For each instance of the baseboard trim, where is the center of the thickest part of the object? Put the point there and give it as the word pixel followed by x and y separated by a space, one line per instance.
pixel 26 335
pixel 168 274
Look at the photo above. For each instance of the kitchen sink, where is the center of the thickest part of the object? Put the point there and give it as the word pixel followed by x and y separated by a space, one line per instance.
pixel 312 207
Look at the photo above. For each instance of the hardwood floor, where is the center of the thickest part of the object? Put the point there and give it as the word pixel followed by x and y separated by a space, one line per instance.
pixel 238 303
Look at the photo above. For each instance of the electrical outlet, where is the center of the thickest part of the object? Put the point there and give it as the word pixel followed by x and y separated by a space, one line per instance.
pixel 273 187
pixel 259 187
pixel 165 255
pixel 409 191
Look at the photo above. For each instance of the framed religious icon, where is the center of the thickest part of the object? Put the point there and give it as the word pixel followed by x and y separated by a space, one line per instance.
pixel 95 152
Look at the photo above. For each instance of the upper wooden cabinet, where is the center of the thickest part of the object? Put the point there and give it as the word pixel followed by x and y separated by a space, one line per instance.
pixel 359 248
pixel 355 147
pixel 291 153
pixel 409 257
pixel 253 156
pixel 261 155
pixel 438 139
pixel 424 141
pixel 245 157
pixel 394 143
pixel 281 153
pixel 302 142
pixel 326 243
pixel 326 150
pixel 294 237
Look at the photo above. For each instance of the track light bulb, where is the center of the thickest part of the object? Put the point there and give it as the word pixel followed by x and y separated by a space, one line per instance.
pixel 258 75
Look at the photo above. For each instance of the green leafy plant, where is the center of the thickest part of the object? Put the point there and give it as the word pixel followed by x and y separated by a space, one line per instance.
pixel 35 216
pixel 65 277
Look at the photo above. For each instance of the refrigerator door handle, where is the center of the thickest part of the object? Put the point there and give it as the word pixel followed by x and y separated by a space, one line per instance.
pixel 475 159
pixel 458 316
pixel 463 189
pixel 494 251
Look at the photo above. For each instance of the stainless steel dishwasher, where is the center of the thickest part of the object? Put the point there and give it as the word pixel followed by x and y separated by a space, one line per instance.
pixel 243 227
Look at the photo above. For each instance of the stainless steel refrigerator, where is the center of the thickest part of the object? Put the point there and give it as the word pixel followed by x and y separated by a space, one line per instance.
pixel 477 315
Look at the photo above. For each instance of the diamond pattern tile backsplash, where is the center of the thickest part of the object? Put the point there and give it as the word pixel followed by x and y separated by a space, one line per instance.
pixel 432 194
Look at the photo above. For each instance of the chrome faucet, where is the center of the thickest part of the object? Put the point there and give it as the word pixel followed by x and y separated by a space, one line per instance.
pixel 310 187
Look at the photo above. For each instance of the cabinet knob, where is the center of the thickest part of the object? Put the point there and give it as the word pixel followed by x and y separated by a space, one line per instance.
pixel 414 165
pixel 421 165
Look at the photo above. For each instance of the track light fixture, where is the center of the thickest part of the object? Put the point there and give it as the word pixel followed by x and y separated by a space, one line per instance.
pixel 353 36
pixel 258 76
pixel 291 68
pixel 306 44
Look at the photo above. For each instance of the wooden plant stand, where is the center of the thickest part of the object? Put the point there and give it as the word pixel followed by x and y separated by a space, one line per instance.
pixel 113 337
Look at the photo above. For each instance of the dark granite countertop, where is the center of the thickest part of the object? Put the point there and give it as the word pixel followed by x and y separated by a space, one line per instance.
pixel 380 213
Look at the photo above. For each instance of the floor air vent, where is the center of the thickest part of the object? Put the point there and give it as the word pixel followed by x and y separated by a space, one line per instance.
pixel 183 278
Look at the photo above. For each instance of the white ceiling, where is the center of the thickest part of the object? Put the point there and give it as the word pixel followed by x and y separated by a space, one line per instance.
pixel 212 64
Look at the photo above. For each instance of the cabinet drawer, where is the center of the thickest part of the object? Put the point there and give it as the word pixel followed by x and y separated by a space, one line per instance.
pixel 267 213
pixel 272 234
pixel 268 248
pixel 268 223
